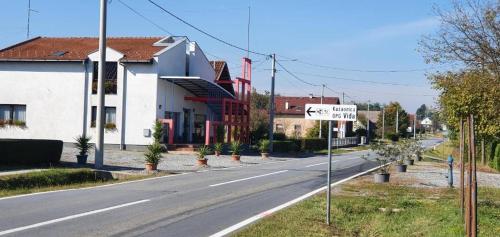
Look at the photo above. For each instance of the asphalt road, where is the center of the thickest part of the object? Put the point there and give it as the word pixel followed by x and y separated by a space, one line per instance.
pixel 191 204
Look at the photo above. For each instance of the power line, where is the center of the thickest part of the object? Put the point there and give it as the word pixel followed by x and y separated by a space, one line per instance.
pixel 295 76
pixel 145 18
pixel 204 32
pixel 352 79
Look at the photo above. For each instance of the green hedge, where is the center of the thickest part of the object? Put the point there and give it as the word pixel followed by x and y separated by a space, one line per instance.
pixel 285 146
pixel 314 144
pixel 495 162
pixel 24 151
pixel 48 178
pixel 295 145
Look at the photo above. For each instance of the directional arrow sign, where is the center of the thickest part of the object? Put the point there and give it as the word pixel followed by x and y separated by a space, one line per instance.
pixel 331 112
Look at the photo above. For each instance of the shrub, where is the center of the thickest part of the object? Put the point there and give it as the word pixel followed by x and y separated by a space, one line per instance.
pixel 495 163
pixel 157 131
pixel 82 144
pixel 235 148
pixel 392 136
pixel 314 144
pixel 27 151
pixel 46 178
pixel 278 136
pixel 218 147
pixel 153 153
pixel 285 146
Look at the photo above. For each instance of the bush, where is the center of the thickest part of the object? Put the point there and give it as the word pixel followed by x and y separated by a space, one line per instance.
pixel 314 144
pixel 30 151
pixel 278 136
pixel 264 146
pixel 153 153
pixel 495 163
pixel 285 146
pixel 392 136
pixel 47 178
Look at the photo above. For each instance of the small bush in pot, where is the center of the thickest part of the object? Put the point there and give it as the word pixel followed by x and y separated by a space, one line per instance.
pixel 203 151
pixel 385 156
pixel 153 156
pixel 218 147
pixel 264 148
pixel 83 145
pixel 235 150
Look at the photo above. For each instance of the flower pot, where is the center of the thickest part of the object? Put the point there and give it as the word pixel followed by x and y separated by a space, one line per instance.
pixel 151 166
pixel 217 153
pixel 202 162
pixel 400 168
pixel 381 178
pixel 409 162
pixel 82 159
pixel 264 155
pixel 235 157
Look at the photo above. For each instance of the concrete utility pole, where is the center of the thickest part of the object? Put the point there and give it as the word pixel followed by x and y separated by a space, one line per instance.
pixel 397 121
pixel 383 122
pixel 320 121
pixel 271 104
pixel 415 127
pixel 99 145
pixel 368 124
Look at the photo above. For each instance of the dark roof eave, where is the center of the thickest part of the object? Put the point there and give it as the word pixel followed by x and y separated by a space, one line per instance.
pixel 39 60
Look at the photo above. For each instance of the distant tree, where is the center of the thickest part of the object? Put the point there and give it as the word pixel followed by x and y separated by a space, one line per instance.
pixel 421 112
pixel 373 106
pixel 259 115
pixel 314 131
pixel 390 119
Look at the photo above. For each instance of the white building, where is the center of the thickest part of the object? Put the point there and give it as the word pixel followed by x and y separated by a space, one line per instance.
pixel 48 85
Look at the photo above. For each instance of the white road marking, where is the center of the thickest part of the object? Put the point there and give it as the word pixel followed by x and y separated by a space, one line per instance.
pixel 5 232
pixel 253 177
pixel 322 163
pixel 252 219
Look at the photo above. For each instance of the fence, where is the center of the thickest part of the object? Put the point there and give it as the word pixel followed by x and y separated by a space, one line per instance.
pixel 343 142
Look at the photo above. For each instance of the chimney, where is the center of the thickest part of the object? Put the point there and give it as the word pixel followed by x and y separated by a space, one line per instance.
pixel 286 105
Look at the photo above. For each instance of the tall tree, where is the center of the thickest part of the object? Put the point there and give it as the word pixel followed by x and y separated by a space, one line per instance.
pixel 259 116
pixel 390 119
pixel 469 34
pixel 421 112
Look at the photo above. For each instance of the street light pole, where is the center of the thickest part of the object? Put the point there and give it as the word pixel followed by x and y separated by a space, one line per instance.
pixel 368 124
pixel 320 121
pixel 99 145
pixel 271 104
pixel 383 122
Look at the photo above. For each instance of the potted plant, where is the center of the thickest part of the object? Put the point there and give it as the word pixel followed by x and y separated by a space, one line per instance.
pixel 235 150
pixel 384 158
pixel 264 148
pixel 218 148
pixel 418 150
pixel 400 166
pixel 83 145
pixel 153 156
pixel 202 152
pixel 407 152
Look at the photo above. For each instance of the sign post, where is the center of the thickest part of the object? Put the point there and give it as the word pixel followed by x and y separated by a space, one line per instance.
pixel 331 113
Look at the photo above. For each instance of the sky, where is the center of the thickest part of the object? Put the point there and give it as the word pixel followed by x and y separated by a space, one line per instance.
pixel 355 39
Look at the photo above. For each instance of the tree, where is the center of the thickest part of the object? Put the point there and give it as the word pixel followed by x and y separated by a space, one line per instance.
pixel 469 34
pixel 421 112
pixel 390 119
pixel 373 106
pixel 259 115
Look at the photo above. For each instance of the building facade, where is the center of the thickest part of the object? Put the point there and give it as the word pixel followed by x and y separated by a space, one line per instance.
pixel 48 91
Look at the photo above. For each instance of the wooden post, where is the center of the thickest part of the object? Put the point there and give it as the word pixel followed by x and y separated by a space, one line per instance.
pixel 461 157
pixel 474 180
pixel 468 184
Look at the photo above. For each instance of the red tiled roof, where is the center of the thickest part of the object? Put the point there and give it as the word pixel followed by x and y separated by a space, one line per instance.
pixel 218 67
pixel 296 104
pixel 77 49
pixel 222 74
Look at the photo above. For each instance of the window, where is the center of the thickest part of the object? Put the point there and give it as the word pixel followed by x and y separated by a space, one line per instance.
pixel 109 120
pixel 110 79
pixel 279 128
pixel 13 114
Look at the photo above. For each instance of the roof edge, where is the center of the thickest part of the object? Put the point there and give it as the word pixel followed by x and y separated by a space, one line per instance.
pixel 20 43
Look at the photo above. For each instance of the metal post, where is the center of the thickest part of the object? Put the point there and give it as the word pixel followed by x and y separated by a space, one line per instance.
pixel 328 176
pixel 321 99
pixel 271 104
pixel 368 124
pixel 99 146
pixel 29 16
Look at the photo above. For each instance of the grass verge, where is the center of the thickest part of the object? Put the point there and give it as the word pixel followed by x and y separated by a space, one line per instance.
pixel 55 179
pixel 361 208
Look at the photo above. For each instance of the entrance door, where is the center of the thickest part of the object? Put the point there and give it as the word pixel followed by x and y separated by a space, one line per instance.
pixel 187 125
pixel 199 128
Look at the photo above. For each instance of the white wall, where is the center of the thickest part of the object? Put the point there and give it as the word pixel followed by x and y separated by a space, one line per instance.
pixel 199 64
pixel 172 60
pixel 53 94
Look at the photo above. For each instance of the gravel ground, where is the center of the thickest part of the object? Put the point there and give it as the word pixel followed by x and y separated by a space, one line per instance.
pixel 133 161
pixel 432 174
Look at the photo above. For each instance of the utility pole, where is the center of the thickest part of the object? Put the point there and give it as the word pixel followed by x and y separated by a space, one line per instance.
pixel 383 122
pixel 320 121
pixel 368 124
pixel 29 15
pixel 415 127
pixel 397 120
pixel 99 145
pixel 271 103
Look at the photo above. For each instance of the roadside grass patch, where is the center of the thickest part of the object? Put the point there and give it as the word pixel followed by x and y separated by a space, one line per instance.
pixel 55 179
pixel 362 208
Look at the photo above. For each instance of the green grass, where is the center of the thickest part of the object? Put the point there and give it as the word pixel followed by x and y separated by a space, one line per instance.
pixel 356 212
pixel 54 179
pixel 442 150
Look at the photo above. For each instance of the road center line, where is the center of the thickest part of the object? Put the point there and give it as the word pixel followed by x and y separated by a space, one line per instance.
pixel 253 177
pixel 322 163
pixel 5 232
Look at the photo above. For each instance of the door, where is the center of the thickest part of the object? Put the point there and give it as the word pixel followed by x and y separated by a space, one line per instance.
pixel 186 125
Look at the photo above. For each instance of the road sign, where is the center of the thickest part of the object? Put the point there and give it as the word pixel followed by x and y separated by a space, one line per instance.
pixel 330 112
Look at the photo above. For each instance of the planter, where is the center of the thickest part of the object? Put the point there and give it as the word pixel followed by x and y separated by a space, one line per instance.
pixel 217 153
pixel 235 157
pixel 151 166
pixel 400 168
pixel 82 159
pixel 202 162
pixel 264 155
pixel 381 178
pixel 409 162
